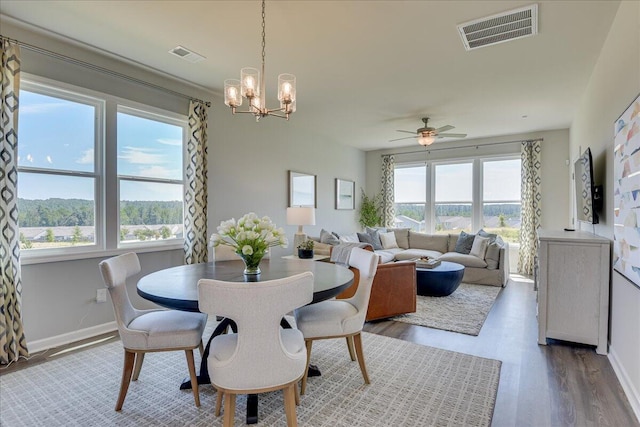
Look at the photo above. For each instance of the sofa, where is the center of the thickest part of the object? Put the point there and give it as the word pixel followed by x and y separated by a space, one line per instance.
pixel 488 265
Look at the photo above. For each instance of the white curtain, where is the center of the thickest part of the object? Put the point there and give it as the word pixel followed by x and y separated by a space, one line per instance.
pixel 13 344
pixel 531 210
pixel 388 211
pixel 195 215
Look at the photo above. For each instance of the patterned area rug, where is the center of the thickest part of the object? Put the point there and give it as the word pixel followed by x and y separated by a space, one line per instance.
pixel 463 311
pixel 411 385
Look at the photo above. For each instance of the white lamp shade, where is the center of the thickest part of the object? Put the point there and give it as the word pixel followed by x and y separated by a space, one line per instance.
pixel 301 216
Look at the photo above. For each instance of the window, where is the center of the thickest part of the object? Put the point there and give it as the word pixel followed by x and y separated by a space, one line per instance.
pixel 58 192
pixel 449 197
pixel 85 187
pixel 501 198
pixel 453 197
pixel 410 183
pixel 149 176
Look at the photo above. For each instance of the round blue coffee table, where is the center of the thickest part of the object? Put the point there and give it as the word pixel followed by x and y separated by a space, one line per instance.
pixel 439 281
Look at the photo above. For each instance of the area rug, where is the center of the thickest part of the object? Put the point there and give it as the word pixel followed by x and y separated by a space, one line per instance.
pixel 411 385
pixel 463 311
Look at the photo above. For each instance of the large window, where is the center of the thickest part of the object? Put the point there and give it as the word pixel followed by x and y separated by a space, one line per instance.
pixel 449 197
pixel 149 176
pixel 58 191
pixel 410 192
pixel 85 187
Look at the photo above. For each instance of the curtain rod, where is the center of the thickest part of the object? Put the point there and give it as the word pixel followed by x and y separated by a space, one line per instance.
pixel 428 150
pixel 101 69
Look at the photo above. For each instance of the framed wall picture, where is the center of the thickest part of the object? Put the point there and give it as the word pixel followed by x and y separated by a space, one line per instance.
pixel 626 193
pixel 302 189
pixel 345 194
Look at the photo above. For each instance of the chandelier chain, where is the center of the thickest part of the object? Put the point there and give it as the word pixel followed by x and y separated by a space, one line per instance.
pixel 263 31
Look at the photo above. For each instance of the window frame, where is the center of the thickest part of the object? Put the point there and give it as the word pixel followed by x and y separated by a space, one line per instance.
pixel 106 193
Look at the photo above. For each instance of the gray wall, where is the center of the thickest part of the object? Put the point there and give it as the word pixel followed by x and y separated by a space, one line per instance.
pixel 614 83
pixel 248 171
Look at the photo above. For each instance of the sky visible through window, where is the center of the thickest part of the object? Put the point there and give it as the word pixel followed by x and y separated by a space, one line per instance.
pixel 58 134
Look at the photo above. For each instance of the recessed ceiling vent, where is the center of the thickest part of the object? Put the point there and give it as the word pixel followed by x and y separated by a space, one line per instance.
pixel 186 54
pixel 510 25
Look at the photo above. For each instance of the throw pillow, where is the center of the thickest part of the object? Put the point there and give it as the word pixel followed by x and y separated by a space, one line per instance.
pixel 365 238
pixel 402 237
pixel 479 247
pixel 350 238
pixel 375 238
pixel 492 257
pixel 491 236
pixel 389 240
pixel 464 243
pixel 328 238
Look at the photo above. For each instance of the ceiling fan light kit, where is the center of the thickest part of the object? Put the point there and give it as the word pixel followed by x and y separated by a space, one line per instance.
pixel 251 87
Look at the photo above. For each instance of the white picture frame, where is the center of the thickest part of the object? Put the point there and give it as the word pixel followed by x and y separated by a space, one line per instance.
pixel 345 194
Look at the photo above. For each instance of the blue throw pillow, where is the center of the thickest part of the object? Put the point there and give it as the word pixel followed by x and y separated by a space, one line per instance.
pixel 328 238
pixel 375 238
pixel 464 243
pixel 365 238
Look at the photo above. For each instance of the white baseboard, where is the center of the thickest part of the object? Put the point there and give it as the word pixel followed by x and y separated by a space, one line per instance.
pixel 627 386
pixel 81 334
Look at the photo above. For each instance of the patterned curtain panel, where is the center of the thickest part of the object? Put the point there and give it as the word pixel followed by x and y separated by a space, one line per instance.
pixel 388 212
pixel 195 215
pixel 531 210
pixel 13 344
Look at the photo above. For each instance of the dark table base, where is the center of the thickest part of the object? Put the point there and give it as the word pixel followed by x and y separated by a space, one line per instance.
pixel 439 282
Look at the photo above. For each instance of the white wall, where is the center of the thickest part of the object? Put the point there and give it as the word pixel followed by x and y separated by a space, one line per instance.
pixel 615 82
pixel 556 205
pixel 248 171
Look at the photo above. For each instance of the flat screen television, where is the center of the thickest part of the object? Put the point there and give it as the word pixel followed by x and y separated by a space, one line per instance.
pixel 588 195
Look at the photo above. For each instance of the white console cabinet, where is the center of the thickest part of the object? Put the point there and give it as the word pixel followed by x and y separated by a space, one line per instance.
pixel 572 274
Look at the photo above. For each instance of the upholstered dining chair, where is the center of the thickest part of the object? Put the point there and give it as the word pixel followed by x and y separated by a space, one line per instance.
pixel 143 331
pixel 261 356
pixel 341 318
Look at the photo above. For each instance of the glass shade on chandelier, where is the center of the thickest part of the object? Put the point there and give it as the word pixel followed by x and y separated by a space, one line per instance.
pixel 251 86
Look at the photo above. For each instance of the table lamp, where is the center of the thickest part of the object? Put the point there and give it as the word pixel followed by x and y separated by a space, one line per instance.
pixel 300 216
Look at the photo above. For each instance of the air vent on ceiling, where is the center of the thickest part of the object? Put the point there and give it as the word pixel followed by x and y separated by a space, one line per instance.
pixel 186 54
pixel 510 25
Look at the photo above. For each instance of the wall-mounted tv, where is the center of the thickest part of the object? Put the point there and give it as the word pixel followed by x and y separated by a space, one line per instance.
pixel 588 195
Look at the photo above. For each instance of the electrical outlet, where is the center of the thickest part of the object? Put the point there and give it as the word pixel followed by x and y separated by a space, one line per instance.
pixel 101 295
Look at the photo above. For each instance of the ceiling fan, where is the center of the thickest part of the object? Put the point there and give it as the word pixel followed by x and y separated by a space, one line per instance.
pixel 427 135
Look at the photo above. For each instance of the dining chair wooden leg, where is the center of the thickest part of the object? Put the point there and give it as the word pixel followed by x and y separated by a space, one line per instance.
pixel 297 390
pixel 219 396
pixel 127 369
pixel 290 405
pixel 357 340
pixel 303 385
pixel 352 353
pixel 138 365
pixel 194 378
pixel 201 348
pixel 229 410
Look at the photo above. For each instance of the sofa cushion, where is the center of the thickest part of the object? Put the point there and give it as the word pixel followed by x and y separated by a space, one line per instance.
pixel 387 255
pixel 433 242
pixel 402 237
pixel 492 237
pixel 375 238
pixel 388 240
pixel 464 259
pixel 479 247
pixel 328 238
pixel 410 254
pixel 464 243
pixel 492 257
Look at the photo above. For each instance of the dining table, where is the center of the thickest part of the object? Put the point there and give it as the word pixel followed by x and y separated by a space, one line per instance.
pixel 177 288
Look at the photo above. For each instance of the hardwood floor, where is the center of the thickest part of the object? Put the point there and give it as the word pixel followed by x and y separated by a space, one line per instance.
pixel 560 384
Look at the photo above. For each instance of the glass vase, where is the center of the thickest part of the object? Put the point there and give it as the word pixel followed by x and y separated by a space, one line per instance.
pixel 251 264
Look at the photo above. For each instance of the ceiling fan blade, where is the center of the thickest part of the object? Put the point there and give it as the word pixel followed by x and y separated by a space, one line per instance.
pixel 406 131
pixel 406 137
pixel 452 135
pixel 444 128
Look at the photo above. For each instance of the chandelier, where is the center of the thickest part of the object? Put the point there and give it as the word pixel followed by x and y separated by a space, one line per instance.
pixel 251 86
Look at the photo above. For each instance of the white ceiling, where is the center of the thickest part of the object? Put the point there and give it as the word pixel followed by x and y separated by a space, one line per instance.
pixel 364 68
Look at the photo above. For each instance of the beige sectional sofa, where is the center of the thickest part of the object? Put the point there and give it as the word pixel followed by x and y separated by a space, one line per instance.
pixel 492 269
